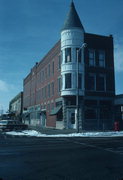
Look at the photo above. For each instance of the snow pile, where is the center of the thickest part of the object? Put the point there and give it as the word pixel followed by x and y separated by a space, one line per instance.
pixel 84 134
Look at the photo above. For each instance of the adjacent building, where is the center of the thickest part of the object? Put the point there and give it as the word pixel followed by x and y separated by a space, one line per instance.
pixel 16 107
pixel 73 86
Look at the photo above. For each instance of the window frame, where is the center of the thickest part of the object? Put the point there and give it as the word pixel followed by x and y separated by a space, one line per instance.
pixel 53 67
pixel 68 54
pixel 101 60
pixel 68 80
pixel 59 62
pixel 104 76
pixel 48 70
pixel 49 93
pixel 91 59
pixel 52 89
pixel 59 84
pixel 95 85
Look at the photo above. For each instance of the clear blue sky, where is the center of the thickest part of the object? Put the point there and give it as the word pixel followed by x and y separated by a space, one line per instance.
pixel 29 28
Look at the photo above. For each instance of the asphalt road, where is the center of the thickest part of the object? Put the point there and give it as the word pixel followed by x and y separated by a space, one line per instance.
pixel 61 158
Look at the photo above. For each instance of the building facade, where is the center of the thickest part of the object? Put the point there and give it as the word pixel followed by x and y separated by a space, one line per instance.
pixel 73 86
pixel 16 107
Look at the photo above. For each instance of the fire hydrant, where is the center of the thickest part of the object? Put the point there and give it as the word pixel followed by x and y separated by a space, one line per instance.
pixel 116 126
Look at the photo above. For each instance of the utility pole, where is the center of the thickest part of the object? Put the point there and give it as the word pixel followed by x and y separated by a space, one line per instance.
pixel 77 80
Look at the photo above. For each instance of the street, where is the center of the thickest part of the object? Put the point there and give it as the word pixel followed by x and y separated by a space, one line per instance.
pixel 32 158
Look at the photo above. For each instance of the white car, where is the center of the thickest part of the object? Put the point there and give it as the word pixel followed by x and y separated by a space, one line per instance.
pixel 8 125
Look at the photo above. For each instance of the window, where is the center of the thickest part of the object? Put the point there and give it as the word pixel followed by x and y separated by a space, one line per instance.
pixel 102 58
pixel 42 76
pixel 101 83
pixel 49 70
pixel 68 55
pixel 59 103
pixel 80 81
pixel 53 67
pixel 38 77
pixel 37 96
pixel 45 73
pixel 105 113
pixel 90 113
pixel 45 92
pixel 68 82
pixel 79 55
pixel 59 84
pixel 48 90
pixel 40 95
pixel 59 62
pixel 92 82
pixel 91 57
pixel 52 88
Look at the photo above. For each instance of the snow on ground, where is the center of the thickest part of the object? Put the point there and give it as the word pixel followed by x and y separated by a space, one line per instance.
pixel 84 134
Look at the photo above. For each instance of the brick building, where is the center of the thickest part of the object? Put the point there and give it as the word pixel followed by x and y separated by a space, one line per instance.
pixel 16 107
pixel 72 71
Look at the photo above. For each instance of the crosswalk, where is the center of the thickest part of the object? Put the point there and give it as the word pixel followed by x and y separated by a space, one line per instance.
pixel 106 144
pixel 118 150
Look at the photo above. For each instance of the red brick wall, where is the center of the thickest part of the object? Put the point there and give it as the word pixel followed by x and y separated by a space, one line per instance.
pixel 34 83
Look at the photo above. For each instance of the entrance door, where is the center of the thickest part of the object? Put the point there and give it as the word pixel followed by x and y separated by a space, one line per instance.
pixel 43 119
pixel 71 118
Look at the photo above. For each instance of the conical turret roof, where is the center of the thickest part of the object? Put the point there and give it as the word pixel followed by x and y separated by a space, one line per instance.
pixel 72 20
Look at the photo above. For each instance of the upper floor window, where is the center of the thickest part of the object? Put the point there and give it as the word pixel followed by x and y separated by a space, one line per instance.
pixel 38 77
pixel 102 82
pixel 92 82
pixel 59 84
pixel 46 73
pixel 42 76
pixel 102 58
pixel 48 70
pixel 78 55
pixel 42 93
pixel 68 81
pixel 67 55
pixel 53 67
pixel 91 57
pixel 45 92
pixel 52 88
pixel 48 90
pixel 59 62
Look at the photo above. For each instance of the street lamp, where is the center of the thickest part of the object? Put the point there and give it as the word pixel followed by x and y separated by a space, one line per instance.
pixel 77 95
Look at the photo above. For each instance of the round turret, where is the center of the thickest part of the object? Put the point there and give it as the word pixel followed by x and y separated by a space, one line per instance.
pixel 72 38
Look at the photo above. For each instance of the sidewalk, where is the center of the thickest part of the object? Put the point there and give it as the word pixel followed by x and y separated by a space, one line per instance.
pixel 50 131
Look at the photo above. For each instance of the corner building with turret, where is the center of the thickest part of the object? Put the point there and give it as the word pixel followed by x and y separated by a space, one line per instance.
pixel 73 86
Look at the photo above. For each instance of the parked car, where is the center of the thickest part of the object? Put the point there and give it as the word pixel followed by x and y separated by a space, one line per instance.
pixel 9 125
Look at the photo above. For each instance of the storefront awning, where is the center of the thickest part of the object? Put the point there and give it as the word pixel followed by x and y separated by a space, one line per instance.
pixel 43 110
pixel 55 110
